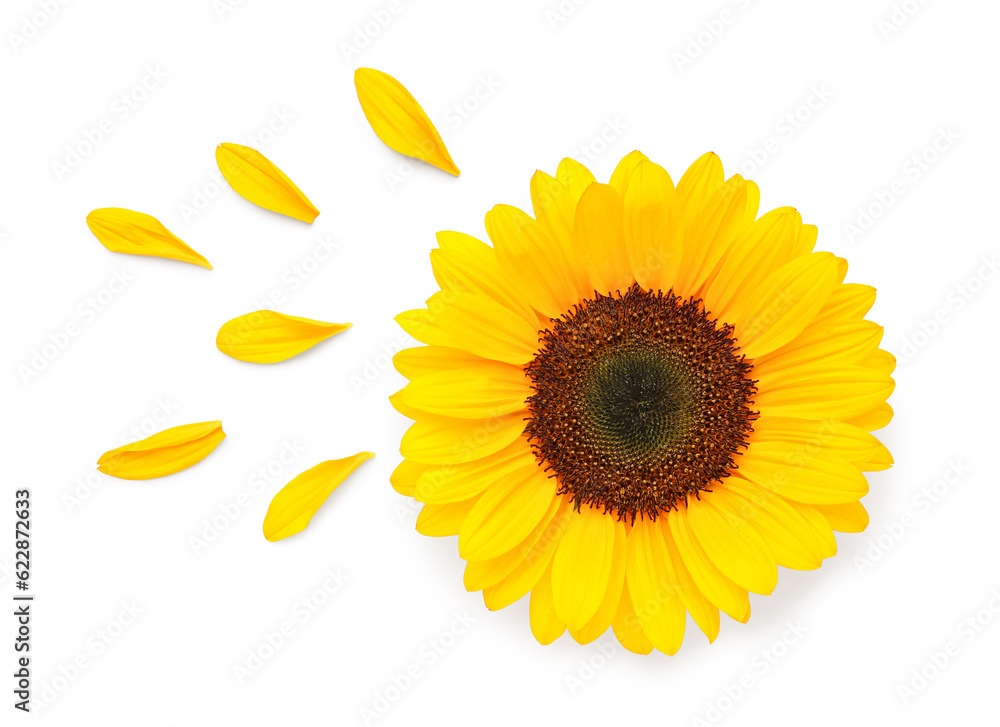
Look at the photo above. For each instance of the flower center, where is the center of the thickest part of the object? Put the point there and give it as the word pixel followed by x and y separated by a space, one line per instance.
pixel 639 400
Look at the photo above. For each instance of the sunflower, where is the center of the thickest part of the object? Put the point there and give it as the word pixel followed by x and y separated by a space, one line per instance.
pixel 639 402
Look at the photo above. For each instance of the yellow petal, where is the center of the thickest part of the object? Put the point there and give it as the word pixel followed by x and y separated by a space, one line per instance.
pixel 599 242
pixel 710 232
pixel 293 507
pixel 875 418
pixel 733 545
pixel 487 389
pixel 652 231
pixel 605 613
pixel 420 360
pixel 703 611
pixel 545 624
pixel 446 441
pixel 135 233
pixel 716 587
pixel 620 178
pixel 405 477
pixel 759 249
pixel 398 120
pixel 786 302
pixel 268 337
pixel 462 262
pixel 480 574
pixel 473 323
pixel 507 512
pixel 814 476
pixel 841 343
pixel 788 535
pixel 816 391
pixel 848 302
pixel 536 561
pixel 582 567
pixel 438 521
pixel 652 582
pixel 814 435
pixel 164 453
pixel 455 482
pixel 255 178
pixel 847 517
pixel 627 627
pixel 532 259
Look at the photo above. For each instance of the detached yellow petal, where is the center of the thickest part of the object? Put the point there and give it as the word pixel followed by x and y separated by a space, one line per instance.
pixel 265 336
pixel 172 450
pixel 255 178
pixel 135 233
pixel 398 120
pixel 293 507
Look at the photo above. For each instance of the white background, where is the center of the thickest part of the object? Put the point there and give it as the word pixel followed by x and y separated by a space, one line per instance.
pixel 592 81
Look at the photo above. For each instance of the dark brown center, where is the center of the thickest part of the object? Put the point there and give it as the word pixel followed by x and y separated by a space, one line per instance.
pixel 639 400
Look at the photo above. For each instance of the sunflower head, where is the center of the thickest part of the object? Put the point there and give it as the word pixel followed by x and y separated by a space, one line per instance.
pixel 639 401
